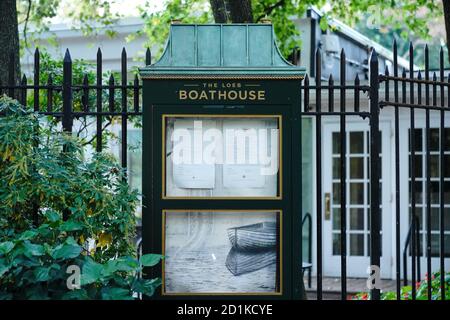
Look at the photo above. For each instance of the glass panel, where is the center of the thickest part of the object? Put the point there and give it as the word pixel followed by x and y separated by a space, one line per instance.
pixel 356 193
pixel 435 245
pixel 446 192
pixel 417 165
pixel 447 166
pixel 436 218
pixel 241 250
pixel 222 156
pixel 356 219
pixel 447 139
pixel 357 244
pixel 418 138
pixel 336 193
pixel 434 166
pixel 357 168
pixel 419 215
pixel 336 219
pixel 434 192
pixel 337 168
pixel 336 244
pixel 418 192
pixel 357 142
pixel 336 142
pixel 434 139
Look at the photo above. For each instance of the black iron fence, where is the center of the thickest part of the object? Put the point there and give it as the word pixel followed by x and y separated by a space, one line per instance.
pixel 356 99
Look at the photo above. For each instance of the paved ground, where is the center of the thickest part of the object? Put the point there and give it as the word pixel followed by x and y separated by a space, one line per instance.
pixel 331 287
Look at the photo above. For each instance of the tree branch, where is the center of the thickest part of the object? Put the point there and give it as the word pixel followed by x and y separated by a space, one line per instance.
pixel 25 27
pixel 95 136
pixel 268 10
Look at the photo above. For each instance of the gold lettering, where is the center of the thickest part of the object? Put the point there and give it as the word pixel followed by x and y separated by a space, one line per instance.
pixel 213 94
pixel 261 95
pixel 232 95
pixel 193 95
pixel 203 95
pixel 252 95
pixel 182 94
pixel 222 95
pixel 243 95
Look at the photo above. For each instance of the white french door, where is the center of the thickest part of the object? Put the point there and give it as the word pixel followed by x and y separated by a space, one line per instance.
pixel 357 199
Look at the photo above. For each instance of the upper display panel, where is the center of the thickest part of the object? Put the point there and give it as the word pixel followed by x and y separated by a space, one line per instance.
pixel 221 156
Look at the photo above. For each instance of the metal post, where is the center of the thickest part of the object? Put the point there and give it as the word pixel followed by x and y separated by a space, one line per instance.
pixel 375 244
pixel 67 120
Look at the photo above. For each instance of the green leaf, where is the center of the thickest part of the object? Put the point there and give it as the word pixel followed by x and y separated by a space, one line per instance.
pixel 3 267
pixel 146 286
pixel 27 235
pixel 77 294
pixel 6 247
pixel 33 249
pixel 150 260
pixel 109 293
pixel 127 264
pixel 92 271
pixel 41 274
pixel 71 225
pixel 52 215
pixel 66 251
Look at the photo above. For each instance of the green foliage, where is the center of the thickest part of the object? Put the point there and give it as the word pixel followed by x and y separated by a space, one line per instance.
pixel 156 26
pixel 411 17
pixel 46 170
pixel 421 290
pixel 87 15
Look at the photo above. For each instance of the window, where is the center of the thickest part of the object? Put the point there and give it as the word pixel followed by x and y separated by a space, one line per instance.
pixel 421 190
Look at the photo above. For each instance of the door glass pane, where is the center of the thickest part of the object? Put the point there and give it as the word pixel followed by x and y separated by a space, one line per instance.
pixel 218 252
pixel 434 166
pixel 229 156
pixel 336 219
pixel 356 168
pixel 356 142
pixel 447 139
pixel 336 168
pixel 356 219
pixel 336 193
pixel 357 244
pixel 356 193
pixel 336 244
pixel 336 142
pixel 434 139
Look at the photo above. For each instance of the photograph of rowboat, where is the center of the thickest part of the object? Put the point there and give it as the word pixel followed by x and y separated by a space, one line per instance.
pixel 241 262
pixel 257 236
pixel 221 252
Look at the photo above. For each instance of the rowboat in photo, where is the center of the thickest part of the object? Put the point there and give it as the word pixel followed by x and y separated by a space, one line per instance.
pixel 258 236
pixel 240 262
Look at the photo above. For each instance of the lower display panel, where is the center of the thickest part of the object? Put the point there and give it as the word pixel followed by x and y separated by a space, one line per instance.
pixel 222 252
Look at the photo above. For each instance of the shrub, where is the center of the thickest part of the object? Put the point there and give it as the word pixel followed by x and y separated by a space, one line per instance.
pixel 59 209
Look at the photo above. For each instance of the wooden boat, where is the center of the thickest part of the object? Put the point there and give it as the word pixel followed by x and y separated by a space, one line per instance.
pixel 258 236
pixel 240 262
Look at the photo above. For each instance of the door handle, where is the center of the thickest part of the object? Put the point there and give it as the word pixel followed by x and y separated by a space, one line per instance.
pixel 327 206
